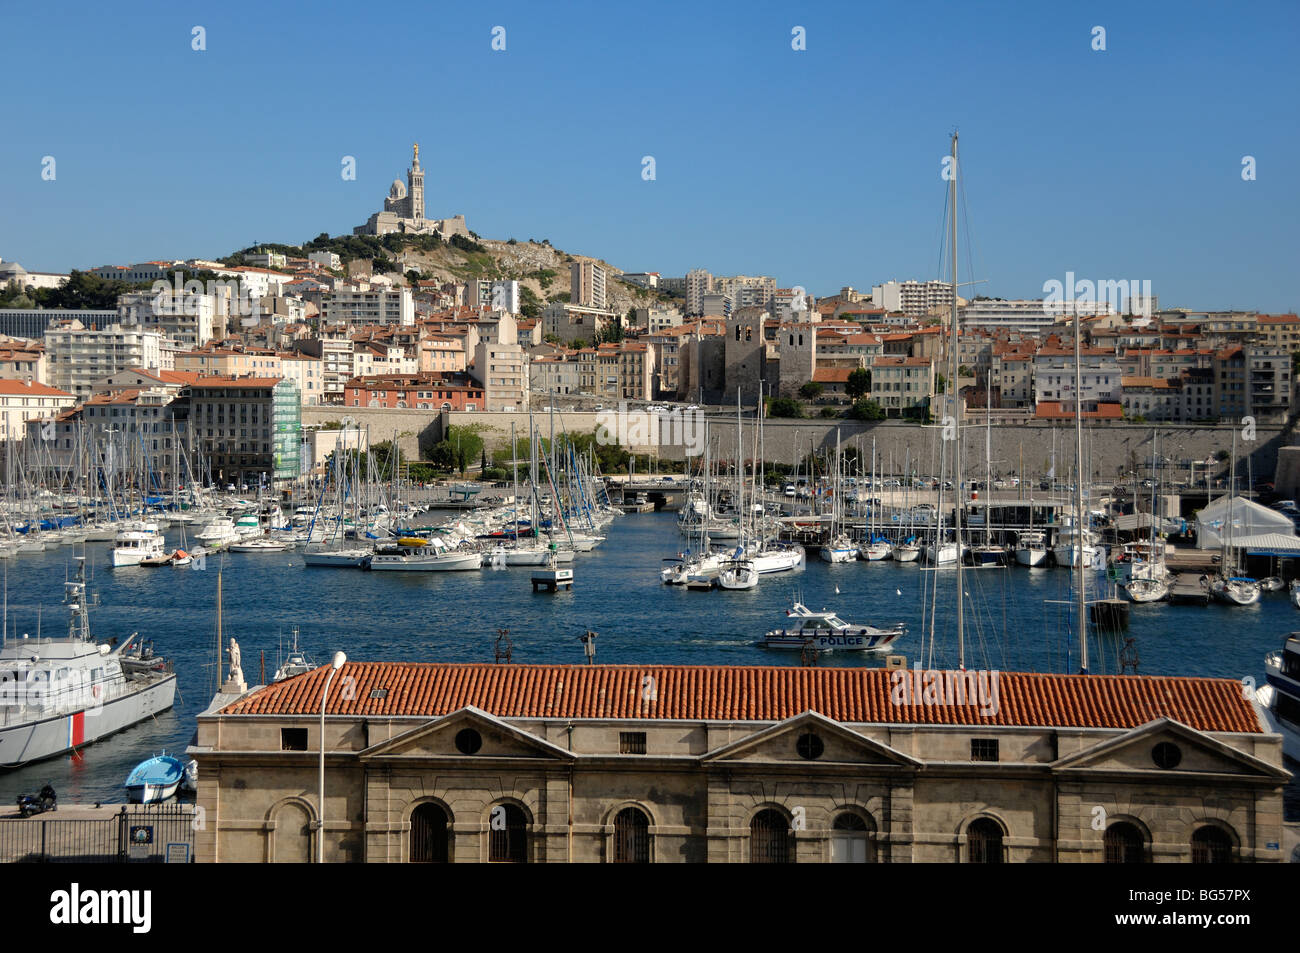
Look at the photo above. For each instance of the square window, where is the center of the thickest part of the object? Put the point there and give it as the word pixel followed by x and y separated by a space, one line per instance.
pixel 984 749
pixel 293 739
pixel 631 742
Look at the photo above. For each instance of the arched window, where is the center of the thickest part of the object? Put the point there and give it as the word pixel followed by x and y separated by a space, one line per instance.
pixel 1211 845
pixel 984 841
pixel 291 839
pixel 853 840
pixel 429 835
pixel 507 835
pixel 769 838
pixel 631 837
pixel 1124 844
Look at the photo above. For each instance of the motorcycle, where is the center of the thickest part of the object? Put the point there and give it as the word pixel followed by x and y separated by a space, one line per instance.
pixel 29 804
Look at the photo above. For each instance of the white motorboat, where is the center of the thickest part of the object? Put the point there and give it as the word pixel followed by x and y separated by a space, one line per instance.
pixel 1031 548
pixel 259 545
pixel 419 555
pixel 1271 584
pixel 136 542
pixel 1281 696
pixel 1295 593
pixel 826 632
pixel 218 534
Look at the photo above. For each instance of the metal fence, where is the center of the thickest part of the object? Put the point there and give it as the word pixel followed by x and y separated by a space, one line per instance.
pixel 154 833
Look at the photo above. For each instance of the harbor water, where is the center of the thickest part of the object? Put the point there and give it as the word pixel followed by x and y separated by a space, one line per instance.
pixel 1016 620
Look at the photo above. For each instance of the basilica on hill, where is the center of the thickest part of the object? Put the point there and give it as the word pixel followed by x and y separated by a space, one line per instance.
pixel 404 210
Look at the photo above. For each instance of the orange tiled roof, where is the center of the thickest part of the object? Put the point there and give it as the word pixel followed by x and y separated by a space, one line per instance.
pixel 1052 410
pixel 749 693
pixel 33 389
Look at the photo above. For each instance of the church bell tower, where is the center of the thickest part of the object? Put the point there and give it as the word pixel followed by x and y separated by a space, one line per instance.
pixel 415 186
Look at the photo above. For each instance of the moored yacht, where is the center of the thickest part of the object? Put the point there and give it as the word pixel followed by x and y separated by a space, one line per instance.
pixel 136 542
pixel 1281 696
pixel 1031 548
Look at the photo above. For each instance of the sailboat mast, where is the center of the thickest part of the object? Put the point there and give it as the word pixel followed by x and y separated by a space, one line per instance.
pixel 1079 535
pixel 959 496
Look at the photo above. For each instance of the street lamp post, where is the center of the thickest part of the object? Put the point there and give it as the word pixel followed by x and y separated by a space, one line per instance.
pixel 335 665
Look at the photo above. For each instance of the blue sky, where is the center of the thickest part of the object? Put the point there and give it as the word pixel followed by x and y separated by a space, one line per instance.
pixel 820 167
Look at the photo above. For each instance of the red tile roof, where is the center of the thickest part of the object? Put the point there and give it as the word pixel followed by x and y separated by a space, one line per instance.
pixel 749 693
pixel 33 389
pixel 1053 410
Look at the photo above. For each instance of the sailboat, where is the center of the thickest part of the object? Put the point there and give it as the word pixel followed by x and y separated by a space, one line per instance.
pixel 838 548
pixel 1229 589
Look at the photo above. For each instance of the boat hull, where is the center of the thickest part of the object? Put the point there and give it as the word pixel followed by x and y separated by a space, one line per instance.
pixel 60 733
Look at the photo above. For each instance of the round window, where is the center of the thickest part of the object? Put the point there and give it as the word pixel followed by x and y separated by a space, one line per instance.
pixel 1166 755
pixel 809 746
pixel 468 741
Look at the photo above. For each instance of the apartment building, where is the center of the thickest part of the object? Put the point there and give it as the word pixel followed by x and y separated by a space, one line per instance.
pixel 248 428
pixel 442 354
pixel 913 298
pixel 1231 383
pixel 21 401
pixel 502 371
pixel 22 361
pixel 77 357
pixel 426 391
pixel 698 283
pixel 1270 383
pixel 1278 331
pixel 190 320
pixel 494 294
pixel 587 284
pixel 372 307
pixel 566 322
pixel 1153 398
pixel 747 291
pixel 1054 376
pixel 557 373
pixel 902 386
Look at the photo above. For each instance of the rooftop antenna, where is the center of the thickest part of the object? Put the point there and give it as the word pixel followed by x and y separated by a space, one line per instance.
pixel 589 646
pixel 503 647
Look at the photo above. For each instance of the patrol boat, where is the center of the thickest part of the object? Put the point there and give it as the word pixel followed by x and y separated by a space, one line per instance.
pixel 59 694
pixel 827 632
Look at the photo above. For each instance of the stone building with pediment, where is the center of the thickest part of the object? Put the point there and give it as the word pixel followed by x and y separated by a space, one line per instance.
pixel 606 763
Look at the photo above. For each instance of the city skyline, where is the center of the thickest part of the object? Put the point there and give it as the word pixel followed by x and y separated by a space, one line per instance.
pixel 1115 163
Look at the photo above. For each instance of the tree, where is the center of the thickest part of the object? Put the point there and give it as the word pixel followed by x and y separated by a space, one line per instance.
pixel 530 306
pixel 811 390
pixel 940 383
pixel 859 384
pixel 866 410
pixel 784 407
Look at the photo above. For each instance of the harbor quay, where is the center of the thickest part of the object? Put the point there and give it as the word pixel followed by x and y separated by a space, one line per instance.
pixel 655 763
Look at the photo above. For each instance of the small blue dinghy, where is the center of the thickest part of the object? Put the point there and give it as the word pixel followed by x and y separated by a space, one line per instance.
pixel 154 780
